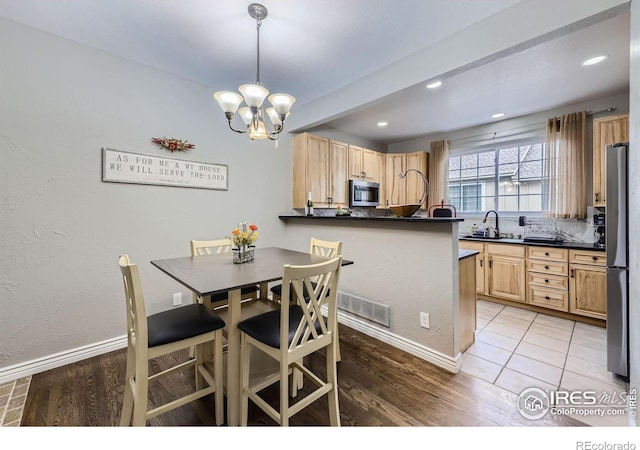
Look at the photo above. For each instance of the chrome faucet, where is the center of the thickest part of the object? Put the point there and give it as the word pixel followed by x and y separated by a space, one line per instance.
pixel 497 228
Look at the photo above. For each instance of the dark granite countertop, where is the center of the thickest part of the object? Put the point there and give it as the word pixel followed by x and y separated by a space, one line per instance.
pixel 565 244
pixel 376 219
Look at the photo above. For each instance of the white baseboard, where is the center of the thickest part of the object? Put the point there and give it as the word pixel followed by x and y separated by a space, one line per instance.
pixel 39 365
pixel 32 367
pixel 451 364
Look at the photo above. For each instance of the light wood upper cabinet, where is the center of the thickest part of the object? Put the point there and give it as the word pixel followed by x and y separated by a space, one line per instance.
pixel 415 183
pixel 338 185
pixel 606 130
pixel 396 188
pixel 319 167
pixel 362 163
pixel 410 189
pixel 381 167
pixel 369 164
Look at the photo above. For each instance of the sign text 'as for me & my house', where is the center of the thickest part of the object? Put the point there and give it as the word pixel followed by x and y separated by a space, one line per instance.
pixel 125 167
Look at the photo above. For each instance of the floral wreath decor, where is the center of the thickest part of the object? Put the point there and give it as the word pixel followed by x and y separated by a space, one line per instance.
pixel 173 145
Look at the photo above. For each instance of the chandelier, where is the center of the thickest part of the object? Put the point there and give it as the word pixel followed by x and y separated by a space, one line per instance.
pixel 254 95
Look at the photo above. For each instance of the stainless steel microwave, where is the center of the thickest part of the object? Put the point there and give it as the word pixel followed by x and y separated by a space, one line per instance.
pixel 363 193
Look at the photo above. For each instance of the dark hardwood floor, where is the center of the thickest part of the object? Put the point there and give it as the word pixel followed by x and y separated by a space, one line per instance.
pixel 379 385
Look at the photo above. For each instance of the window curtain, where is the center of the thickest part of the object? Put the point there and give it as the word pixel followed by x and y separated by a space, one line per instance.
pixel 565 171
pixel 438 172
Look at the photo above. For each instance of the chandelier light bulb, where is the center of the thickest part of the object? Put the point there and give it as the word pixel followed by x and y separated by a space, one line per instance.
pixel 282 103
pixel 246 114
pixel 253 94
pixel 228 101
pixel 274 117
pixel 257 130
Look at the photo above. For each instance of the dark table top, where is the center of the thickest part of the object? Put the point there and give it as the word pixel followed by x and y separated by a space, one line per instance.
pixel 209 274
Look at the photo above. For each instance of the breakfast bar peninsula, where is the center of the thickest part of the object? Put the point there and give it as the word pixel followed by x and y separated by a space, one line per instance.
pixel 410 285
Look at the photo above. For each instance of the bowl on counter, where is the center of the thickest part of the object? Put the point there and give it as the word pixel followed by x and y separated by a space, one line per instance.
pixel 404 210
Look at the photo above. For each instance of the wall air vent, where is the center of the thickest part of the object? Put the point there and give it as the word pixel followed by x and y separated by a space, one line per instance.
pixel 367 309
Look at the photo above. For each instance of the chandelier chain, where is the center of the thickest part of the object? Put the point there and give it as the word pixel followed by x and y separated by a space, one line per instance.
pixel 258 24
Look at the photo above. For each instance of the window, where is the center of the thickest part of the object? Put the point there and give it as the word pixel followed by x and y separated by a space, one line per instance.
pixel 507 179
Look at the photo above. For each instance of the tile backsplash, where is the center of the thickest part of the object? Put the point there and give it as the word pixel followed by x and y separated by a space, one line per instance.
pixel 570 230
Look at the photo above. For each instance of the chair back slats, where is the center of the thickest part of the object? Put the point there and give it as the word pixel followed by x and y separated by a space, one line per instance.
pixel 328 249
pixel 136 312
pixel 312 325
pixel 201 248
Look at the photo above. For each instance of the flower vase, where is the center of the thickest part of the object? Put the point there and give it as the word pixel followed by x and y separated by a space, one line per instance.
pixel 243 254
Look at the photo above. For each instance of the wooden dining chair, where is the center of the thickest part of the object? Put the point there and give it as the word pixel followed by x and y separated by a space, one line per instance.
pixel 328 249
pixel 306 331
pixel 160 334
pixel 199 248
pixel 318 247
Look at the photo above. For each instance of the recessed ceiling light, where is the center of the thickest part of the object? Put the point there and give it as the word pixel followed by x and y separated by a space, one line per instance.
pixel 497 115
pixel 595 60
pixel 383 124
pixel 434 85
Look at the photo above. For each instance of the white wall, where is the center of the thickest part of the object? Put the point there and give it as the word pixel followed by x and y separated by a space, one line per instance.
pixel 62 228
pixel 634 197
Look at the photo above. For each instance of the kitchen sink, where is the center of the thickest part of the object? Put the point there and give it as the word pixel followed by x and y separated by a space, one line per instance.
pixel 484 238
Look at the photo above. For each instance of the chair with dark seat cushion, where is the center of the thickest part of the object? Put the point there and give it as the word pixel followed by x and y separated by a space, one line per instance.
pixel 191 326
pixel 307 331
pixel 318 247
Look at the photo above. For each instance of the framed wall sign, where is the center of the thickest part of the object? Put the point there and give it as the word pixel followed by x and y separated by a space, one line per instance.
pixel 136 168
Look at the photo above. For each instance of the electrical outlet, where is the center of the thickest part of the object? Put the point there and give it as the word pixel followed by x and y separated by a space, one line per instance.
pixel 424 320
pixel 177 299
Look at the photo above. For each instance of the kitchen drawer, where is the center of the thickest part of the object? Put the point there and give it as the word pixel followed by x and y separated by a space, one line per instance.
pixel 587 257
pixel 548 267
pixel 548 298
pixel 547 253
pixel 505 250
pixel 548 281
pixel 466 245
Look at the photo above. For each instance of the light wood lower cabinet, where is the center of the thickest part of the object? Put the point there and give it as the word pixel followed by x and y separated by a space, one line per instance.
pixel 588 284
pixel 570 281
pixel 547 282
pixel 479 263
pixel 506 277
pixel 467 301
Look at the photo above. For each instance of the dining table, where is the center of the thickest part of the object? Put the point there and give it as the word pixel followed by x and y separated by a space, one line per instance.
pixel 207 275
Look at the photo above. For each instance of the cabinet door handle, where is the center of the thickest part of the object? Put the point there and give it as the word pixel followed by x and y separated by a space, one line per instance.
pixel 547 298
pixel 546 281
pixel 546 267
pixel 546 253
pixel 597 196
pixel 490 264
pixel 595 258
pixel 480 263
pixel 572 273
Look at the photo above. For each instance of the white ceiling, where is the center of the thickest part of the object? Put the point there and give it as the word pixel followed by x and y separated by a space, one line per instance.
pixel 311 48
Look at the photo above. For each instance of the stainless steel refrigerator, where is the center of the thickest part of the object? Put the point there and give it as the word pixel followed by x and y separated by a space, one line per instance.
pixel 617 248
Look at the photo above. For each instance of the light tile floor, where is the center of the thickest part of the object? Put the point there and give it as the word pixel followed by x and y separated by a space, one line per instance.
pixel 517 349
pixel 13 396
